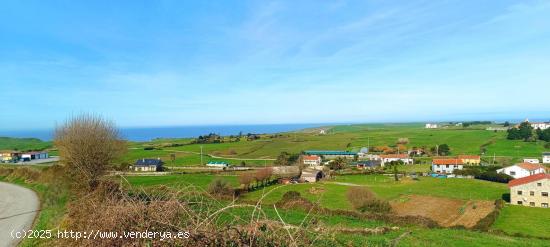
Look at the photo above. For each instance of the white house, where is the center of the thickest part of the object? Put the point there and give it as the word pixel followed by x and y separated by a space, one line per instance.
pixel 540 125
pixel 431 126
pixel 522 170
pixel 219 164
pixel 387 158
pixel 532 161
pixel 148 165
pixel 545 158
pixel 311 160
pixel 446 166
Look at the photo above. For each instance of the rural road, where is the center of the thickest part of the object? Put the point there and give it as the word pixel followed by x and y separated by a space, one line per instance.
pixel 18 207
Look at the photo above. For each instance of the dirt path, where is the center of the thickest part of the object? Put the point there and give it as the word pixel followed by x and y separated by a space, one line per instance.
pixel 18 208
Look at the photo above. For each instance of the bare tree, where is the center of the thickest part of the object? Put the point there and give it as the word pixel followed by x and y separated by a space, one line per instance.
pixel 88 144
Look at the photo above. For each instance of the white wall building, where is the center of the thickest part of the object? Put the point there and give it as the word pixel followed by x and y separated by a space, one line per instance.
pixel 541 126
pixel 446 166
pixel 311 160
pixel 532 161
pixel 531 191
pixel 387 158
pixel 431 126
pixel 522 170
pixel 546 158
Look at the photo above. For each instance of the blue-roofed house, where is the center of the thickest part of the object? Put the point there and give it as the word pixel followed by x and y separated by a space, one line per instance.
pixel 148 165
pixel 331 154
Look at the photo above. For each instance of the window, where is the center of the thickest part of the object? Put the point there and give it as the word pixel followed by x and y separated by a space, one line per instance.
pixel 532 204
pixel 512 173
pixel 520 192
pixel 447 166
pixel 539 184
pixel 531 193
pixel 545 194
pixel 520 202
pixel 544 205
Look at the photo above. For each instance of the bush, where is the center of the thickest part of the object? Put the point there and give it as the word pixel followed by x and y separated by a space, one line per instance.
pixel 220 187
pixel 494 177
pixel 290 195
pixel 364 200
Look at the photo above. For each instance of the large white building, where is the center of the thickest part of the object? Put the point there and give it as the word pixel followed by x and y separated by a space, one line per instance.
pixel 546 158
pixel 446 166
pixel 532 161
pixel 387 158
pixel 522 170
pixel 431 126
pixel 541 125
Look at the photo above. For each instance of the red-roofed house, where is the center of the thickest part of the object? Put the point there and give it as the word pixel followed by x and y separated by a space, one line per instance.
pixel 531 190
pixel 470 159
pixel 522 170
pixel 387 158
pixel 311 160
pixel 446 165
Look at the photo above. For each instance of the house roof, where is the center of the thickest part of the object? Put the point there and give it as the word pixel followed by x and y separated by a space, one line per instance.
pixel 311 157
pixel 530 166
pixel 470 157
pixel 397 156
pixel 149 162
pixel 447 161
pixel 529 179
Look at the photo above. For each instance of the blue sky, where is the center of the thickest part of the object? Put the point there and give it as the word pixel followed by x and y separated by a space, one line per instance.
pixel 160 63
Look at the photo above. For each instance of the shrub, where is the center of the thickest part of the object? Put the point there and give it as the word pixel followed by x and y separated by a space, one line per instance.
pixel 220 187
pixel 494 177
pixel 290 195
pixel 364 200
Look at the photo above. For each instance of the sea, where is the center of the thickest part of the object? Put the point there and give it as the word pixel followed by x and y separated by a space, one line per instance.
pixel 150 133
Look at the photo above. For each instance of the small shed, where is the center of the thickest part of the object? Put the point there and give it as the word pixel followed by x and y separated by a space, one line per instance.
pixel 148 165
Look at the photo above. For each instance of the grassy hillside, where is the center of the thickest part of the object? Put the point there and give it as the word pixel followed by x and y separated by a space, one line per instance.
pixel 23 144
pixel 471 140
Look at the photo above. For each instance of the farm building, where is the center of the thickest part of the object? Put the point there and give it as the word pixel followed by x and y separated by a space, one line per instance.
pixel 34 156
pixel 530 191
pixel 148 165
pixel 446 165
pixel 311 160
pixel 332 154
pixel 522 170
pixel 470 159
pixel 537 125
pixel 431 126
pixel 9 156
pixel 387 158
pixel 546 158
pixel 310 175
pixel 532 161
pixel 220 164
pixel 367 164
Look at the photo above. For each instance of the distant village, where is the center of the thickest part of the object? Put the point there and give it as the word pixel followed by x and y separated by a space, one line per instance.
pixel 529 180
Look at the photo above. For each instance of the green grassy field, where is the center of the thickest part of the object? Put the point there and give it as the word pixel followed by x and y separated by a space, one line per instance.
pixel 524 220
pixel 334 191
pixel 470 140
pixel 23 144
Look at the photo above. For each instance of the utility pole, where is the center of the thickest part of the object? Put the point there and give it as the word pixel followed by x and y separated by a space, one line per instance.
pixel 201 155
pixel 437 149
